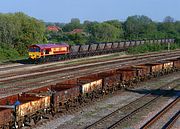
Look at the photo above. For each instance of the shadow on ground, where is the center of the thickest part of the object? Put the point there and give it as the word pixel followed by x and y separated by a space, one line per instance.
pixel 166 93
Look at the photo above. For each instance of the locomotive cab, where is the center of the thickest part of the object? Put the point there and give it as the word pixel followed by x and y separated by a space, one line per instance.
pixel 34 52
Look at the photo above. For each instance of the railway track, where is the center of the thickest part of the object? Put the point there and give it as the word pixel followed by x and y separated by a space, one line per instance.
pixel 41 79
pixel 61 69
pixel 161 113
pixel 172 121
pixel 69 66
pixel 115 119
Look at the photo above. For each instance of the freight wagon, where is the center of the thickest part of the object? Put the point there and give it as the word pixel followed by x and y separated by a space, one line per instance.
pixel 19 110
pixel 65 95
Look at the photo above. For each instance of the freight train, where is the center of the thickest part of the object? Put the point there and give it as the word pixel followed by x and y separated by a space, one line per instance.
pixel 30 107
pixel 40 53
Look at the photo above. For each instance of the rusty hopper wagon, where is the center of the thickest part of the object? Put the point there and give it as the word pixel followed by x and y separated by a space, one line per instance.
pixel 19 110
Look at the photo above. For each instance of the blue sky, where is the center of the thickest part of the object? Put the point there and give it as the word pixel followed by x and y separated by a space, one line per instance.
pixel 94 10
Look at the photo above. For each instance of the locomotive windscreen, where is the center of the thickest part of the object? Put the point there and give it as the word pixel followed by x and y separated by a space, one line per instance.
pixel 34 49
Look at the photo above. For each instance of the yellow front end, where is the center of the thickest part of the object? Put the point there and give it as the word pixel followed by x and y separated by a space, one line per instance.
pixel 34 55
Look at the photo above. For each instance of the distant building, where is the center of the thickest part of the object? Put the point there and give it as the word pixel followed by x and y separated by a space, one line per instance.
pixel 54 28
pixel 75 31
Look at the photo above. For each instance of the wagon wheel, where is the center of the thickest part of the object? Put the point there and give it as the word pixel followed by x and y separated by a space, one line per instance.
pixel 27 120
pixel 36 119
pixel 66 106
pixel 52 112
pixel 20 124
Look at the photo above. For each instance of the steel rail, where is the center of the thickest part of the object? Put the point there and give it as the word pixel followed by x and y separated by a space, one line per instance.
pixel 114 125
pixel 161 113
pixel 172 121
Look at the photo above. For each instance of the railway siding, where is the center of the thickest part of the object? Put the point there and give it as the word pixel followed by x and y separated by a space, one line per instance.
pixel 116 120
pixel 57 75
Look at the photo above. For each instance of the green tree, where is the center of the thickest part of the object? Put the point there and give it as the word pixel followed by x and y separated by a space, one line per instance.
pixel 19 31
pixel 104 32
pixel 136 27
pixel 74 24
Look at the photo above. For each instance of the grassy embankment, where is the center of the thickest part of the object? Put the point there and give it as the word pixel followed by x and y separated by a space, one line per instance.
pixel 9 54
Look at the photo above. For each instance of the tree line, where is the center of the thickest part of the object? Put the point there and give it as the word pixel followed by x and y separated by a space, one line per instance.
pixel 134 28
pixel 18 31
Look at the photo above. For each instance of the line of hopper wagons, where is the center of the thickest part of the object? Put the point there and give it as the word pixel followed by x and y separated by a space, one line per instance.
pixel 26 108
pixel 41 53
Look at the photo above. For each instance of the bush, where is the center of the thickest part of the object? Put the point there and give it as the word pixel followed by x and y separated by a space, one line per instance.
pixel 7 52
pixel 151 48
